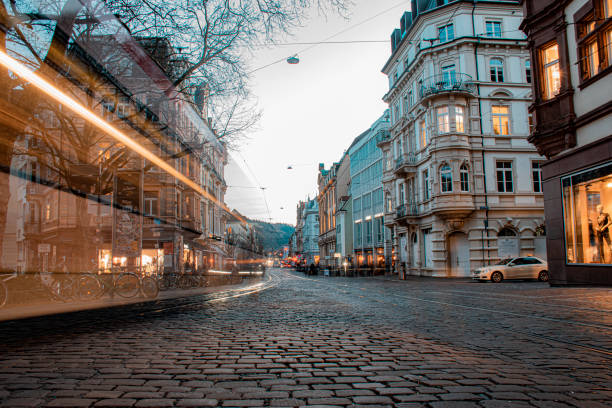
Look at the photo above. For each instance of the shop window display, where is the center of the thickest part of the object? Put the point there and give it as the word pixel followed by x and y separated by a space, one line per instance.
pixel 587 205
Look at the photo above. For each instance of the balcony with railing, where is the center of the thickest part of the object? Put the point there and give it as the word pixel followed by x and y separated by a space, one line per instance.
pixel 456 83
pixel 406 163
pixel 405 213
pixel 382 136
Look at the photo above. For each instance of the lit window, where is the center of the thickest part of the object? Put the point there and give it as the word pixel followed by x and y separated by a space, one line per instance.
pixel 607 8
pixel 464 176
pixel 552 71
pixel 590 59
pixel 446 179
pixel 497 70
pixel 536 173
pixel 446 33
pixel 459 119
pixel 443 119
pixel 423 133
pixel 528 71
pixel 501 120
pixel 493 29
pixel 504 176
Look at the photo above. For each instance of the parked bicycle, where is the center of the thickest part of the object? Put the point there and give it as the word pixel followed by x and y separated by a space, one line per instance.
pixel 4 292
pixel 129 284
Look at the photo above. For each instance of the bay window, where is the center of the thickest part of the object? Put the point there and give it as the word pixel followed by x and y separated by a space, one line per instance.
pixel 459 125
pixel 446 179
pixel 423 133
pixel 443 119
pixel 464 176
pixel 551 70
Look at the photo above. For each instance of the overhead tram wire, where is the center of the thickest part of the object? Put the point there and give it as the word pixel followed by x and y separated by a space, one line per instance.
pixel 326 40
pixel 263 189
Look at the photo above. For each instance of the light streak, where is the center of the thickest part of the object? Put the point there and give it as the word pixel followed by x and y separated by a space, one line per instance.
pixel 45 86
pixel 215 272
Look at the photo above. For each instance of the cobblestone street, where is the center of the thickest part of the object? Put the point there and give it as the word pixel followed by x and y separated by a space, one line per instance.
pixel 319 341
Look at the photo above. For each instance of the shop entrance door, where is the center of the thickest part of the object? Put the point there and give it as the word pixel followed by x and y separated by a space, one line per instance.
pixel 459 252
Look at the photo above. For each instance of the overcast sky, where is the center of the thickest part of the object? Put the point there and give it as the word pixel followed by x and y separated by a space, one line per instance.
pixel 312 111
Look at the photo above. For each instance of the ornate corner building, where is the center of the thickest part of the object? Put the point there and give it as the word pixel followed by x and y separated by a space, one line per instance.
pixel 462 184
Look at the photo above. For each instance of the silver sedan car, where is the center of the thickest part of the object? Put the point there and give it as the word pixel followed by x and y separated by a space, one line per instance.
pixel 523 267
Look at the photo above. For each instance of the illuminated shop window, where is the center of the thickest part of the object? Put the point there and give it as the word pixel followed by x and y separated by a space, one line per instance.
pixel 587 205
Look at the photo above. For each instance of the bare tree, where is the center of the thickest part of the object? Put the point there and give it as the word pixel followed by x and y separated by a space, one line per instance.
pixel 210 37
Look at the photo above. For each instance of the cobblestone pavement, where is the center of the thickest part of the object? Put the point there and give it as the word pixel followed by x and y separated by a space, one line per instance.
pixel 301 341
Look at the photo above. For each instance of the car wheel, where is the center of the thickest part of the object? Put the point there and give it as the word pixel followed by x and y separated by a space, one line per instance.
pixel 543 276
pixel 497 277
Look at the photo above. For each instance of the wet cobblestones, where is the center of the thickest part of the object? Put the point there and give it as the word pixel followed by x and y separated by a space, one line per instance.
pixel 323 342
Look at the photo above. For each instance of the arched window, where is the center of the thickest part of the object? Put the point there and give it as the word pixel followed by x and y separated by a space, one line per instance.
pixel 506 232
pixel 464 176
pixel 446 179
pixel 497 70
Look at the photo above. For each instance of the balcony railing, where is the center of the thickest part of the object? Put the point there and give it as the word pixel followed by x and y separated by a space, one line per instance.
pixel 406 159
pixel 452 82
pixel 407 210
pixel 382 136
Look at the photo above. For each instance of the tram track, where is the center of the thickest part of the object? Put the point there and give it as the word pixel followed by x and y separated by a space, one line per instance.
pixel 600 350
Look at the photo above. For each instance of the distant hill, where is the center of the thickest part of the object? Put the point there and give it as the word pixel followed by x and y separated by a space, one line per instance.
pixel 274 236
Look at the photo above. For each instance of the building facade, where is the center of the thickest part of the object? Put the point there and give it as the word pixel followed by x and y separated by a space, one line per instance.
pixel 310 232
pixel 327 215
pixel 366 171
pixel 344 214
pixel 462 185
pixel 571 50
pixel 307 233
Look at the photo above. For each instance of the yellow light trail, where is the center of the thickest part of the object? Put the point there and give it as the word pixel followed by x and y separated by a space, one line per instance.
pixel 21 70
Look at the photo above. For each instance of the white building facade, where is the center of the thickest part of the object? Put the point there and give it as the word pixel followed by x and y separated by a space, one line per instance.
pixel 310 232
pixel 462 185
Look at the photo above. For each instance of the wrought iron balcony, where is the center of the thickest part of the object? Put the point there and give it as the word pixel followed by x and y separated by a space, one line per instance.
pixel 447 83
pixel 406 163
pixel 382 136
pixel 406 210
